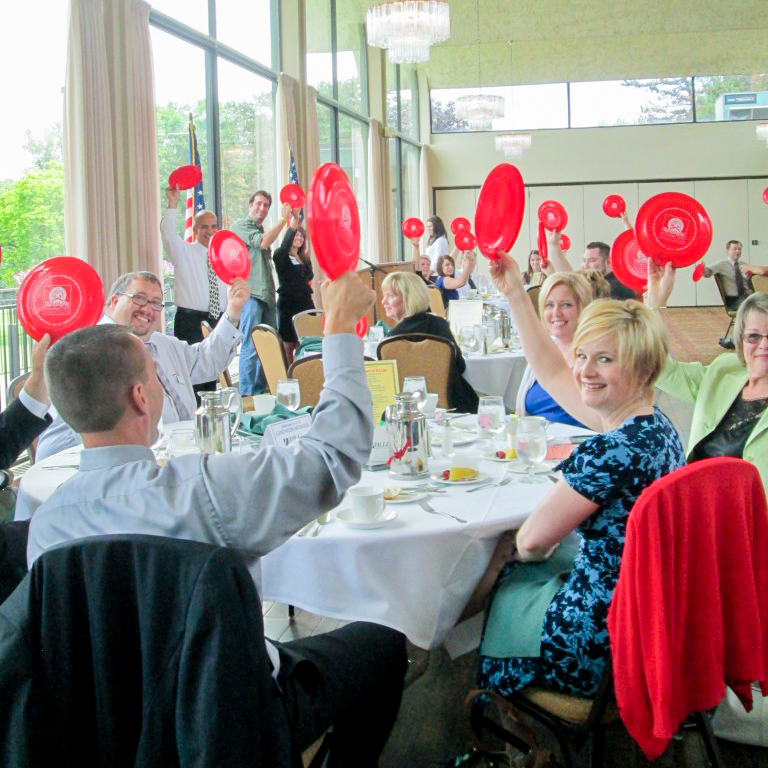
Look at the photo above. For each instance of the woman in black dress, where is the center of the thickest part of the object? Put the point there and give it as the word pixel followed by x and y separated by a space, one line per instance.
pixel 294 273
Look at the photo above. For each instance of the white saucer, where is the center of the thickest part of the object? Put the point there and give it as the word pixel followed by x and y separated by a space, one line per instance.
pixel 345 516
pixel 542 468
pixel 460 437
pixel 481 476
pixel 408 497
pixel 491 456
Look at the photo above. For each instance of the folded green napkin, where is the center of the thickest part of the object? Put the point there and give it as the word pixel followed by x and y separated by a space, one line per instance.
pixel 309 345
pixel 255 425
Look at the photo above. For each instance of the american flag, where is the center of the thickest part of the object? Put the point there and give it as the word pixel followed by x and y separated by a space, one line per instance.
pixel 195 199
pixel 293 177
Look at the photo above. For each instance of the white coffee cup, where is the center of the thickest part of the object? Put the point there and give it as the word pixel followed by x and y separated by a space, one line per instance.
pixel 366 503
pixel 472 293
pixel 429 408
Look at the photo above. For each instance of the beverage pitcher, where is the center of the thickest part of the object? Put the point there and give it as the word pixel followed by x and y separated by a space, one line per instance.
pixel 408 437
pixel 213 429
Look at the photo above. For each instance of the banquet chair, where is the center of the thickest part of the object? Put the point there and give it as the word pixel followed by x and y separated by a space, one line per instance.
pixel 533 295
pixel 225 380
pixel 309 373
pixel 13 555
pixel 269 348
pixel 760 283
pixel 436 306
pixel 309 323
pixel 139 650
pixel 422 354
pixel 695 553
pixel 16 385
pixel 724 298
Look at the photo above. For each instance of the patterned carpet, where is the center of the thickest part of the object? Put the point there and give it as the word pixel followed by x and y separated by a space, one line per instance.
pixel 694 332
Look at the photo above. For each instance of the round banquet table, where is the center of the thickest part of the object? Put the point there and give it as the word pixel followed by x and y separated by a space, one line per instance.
pixel 496 374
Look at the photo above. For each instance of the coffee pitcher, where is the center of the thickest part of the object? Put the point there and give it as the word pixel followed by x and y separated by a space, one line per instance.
pixel 408 437
pixel 214 429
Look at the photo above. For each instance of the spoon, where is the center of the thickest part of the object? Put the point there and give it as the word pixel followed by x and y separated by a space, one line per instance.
pixel 324 519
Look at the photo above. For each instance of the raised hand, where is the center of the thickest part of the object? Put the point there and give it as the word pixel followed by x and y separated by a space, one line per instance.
pixel 506 274
pixel 661 281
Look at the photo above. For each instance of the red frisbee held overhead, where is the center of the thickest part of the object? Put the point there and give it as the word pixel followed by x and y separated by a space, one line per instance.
pixel 465 241
pixel 334 224
pixel 413 228
pixel 552 215
pixel 698 272
pixel 673 227
pixel 565 243
pixel 541 244
pixel 362 326
pixel 460 224
pixel 229 256
pixel 58 296
pixel 614 206
pixel 628 262
pixel 185 177
pixel 292 194
pixel 500 208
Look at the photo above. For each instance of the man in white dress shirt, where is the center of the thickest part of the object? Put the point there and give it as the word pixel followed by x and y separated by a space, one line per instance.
pixel 104 383
pixel 136 300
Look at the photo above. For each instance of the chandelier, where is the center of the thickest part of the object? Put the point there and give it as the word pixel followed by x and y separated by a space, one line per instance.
pixel 407 29
pixel 515 143
pixel 479 110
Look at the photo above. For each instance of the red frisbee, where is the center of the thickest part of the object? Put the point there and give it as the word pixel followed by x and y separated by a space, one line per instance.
pixel 552 215
pixel 614 206
pixel 58 296
pixel 628 262
pixel 465 241
pixel 334 223
pixel 541 244
pixel 765 195
pixel 673 227
pixel 460 224
pixel 229 256
pixel 698 272
pixel 292 194
pixel 565 243
pixel 500 208
pixel 362 326
pixel 413 228
pixel 185 177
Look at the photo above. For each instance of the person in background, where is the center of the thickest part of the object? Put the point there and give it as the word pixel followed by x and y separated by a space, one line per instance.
pixel 423 267
pixel 437 242
pixel 533 276
pixel 294 274
pixel 447 281
pixel 406 303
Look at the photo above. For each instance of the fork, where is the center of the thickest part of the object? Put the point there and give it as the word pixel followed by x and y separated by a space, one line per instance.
pixel 506 481
pixel 423 504
pixel 324 519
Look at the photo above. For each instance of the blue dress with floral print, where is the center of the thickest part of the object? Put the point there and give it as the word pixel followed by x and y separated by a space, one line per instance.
pixel 610 469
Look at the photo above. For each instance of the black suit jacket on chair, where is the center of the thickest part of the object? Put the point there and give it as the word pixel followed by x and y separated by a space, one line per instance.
pixel 18 428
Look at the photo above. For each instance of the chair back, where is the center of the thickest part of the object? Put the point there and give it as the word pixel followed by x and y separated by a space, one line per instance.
pixel 533 295
pixel 309 323
pixel 760 283
pixel 724 295
pixel 436 306
pixel 690 609
pixel 269 348
pixel 225 380
pixel 16 385
pixel 309 373
pixel 422 354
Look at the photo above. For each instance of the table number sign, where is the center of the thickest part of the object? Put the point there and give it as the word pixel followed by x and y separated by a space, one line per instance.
pixel 283 433
pixel 464 312
pixel 384 383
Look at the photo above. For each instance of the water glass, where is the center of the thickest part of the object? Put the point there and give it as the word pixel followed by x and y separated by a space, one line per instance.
pixel 467 339
pixel 491 417
pixel 181 442
pixel 531 445
pixel 416 384
pixel 288 393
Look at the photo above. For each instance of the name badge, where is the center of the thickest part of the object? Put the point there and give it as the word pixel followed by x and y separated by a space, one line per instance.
pixel 382 449
pixel 283 433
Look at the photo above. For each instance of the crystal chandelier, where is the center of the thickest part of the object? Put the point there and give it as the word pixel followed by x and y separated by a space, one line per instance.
pixel 515 143
pixel 407 29
pixel 479 110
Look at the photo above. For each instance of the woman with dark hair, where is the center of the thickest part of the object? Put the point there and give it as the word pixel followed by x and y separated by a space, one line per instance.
pixel 437 242
pixel 533 276
pixel 294 294
pixel 447 282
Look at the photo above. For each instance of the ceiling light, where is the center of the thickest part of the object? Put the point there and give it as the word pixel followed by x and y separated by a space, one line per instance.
pixel 407 29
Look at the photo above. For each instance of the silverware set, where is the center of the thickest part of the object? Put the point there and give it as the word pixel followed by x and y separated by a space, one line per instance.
pixel 324 519
pixel 432 511
pixel 506 481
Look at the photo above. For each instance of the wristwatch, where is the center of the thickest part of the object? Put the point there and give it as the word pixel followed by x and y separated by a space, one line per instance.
pixel 236 323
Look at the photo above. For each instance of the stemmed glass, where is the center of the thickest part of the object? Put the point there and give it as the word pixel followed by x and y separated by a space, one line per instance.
pixel 491 417
pixel 416 384
pixel 288 393
pixel 531 445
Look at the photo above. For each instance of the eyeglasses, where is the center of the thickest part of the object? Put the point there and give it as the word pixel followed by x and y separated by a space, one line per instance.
pixel 140 300
pixel 755 338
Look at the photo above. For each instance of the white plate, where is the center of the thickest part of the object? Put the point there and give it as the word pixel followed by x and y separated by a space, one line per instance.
pixel 542 468
pixel 460 437
pixel 491 456
pixel 469 481
pixel 408 496
pixel 345 515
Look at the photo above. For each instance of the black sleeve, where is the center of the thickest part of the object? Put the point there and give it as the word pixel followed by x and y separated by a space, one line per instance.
pixel 281 257
pixel 18 428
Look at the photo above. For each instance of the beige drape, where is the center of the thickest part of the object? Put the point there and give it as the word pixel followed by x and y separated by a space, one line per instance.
pixel 425 190
pixel 110 161
pixel 286 133
pixel 379 207
pixel 313 161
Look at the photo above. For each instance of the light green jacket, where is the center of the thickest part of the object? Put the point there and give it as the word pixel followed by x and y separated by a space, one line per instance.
pixel 713 388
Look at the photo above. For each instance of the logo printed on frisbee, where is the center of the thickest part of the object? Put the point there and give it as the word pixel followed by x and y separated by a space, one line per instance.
pixel 413 228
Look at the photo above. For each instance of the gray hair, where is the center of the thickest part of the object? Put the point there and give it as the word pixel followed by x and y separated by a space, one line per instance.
pixel 89 374
pixel 205 212
pixel 757 302
pixel 125 280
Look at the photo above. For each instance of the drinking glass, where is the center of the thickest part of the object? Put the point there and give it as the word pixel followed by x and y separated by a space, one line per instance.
pixel 182 442
pixel 491 417
pixel 288 393
pixel 416 384
pixel 531 445
pixel 467 339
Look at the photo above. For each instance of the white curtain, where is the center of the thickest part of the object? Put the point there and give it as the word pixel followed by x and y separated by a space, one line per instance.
pixel 425 190
pixel 286 133
pixel 110 157
pixel 313 161
pixel 379 208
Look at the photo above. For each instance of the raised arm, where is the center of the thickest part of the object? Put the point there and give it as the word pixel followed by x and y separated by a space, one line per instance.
pixel 457 282
pixel 555 256
pixel 270 235
pixel 172 243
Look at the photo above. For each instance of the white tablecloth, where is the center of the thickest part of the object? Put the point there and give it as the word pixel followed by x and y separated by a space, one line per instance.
pixel 496 374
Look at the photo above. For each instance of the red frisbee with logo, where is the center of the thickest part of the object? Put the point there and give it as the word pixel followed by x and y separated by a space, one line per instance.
pixel 628 262
pixel 58 296
pixel 698 272
pixel 673 227
pixel 185 177
pixel 552 215
pixel 614 206
pixel 413 228
pixel 500 209
pixel 465 241
pixel 460 224
pixel 565 243
pixel 229 256
pixel 333 220
pixel 292 194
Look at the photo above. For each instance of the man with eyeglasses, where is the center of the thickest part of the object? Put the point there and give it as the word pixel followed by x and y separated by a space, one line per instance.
pixel 136 300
